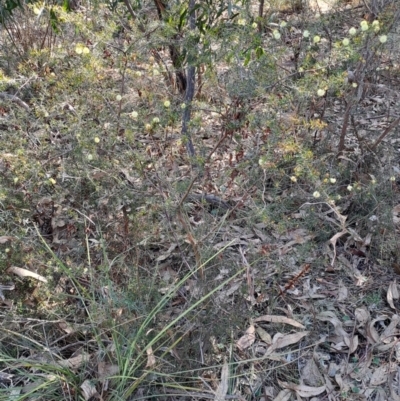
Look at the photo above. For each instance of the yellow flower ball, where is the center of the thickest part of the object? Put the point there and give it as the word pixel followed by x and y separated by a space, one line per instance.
pixel 364 25
pixel 276 34
pixel 352 31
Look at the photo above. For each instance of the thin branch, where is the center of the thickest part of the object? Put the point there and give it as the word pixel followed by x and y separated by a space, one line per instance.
pixel 191 82
pixel 385 133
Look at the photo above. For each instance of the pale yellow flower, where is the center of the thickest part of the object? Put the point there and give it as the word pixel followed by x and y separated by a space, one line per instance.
pixel 352 31
pixel 276 34
pixel 364 25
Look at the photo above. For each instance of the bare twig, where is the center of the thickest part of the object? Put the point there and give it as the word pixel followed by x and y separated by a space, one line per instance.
pixel 14 99
pixel 385 133
pixel 191 81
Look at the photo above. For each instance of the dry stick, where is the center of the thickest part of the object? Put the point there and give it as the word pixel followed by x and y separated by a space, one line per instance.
pixel 344 128
pixel 384 133
pixel 191 81
pixel 15 99
pixel 260 16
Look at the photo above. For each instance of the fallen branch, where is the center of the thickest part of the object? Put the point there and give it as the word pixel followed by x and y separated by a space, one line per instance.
pixel 15 99
pixel 385 133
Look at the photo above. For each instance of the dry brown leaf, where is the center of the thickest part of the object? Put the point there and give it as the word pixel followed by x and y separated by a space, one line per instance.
pixel 105 370
pixel 278 319
pixel 329 316
pixel 391 330
pixel 310 374
pixel 380 376
pixel 333 241
pixel 343 292
pixel 283 395
pixel 281 341
pixel 230 243
pixel 372 333
pixel 223 385
pixel 393 388
pixel 362 316
pixel 19 271
pixel 386 347
pixel 5 238
pixel 396 214
pixel 302 390
pixel 352 343
pixel 330 388
pixel 151 359
pixel 74 362
pixel 66 327
pixel 392 294
pixel 264 335
pixel 88 389
pixel 167 254
pixel 247 339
